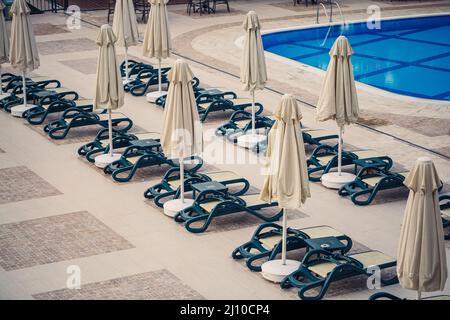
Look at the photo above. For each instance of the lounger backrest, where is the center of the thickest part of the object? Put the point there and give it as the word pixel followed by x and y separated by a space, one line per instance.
pixel 321 231
pixel 222 175
pixel 104 116
pixel 148 135
pixel 363 154
pixel 372 258
pixel 83 102
pixel 270 242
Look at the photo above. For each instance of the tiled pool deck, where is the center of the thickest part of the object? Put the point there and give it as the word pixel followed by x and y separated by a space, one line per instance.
pixel 57 212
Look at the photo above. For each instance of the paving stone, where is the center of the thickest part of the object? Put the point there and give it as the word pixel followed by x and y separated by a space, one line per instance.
pixel 88 65
pixel 43 29
pixel 155 285
pixel 20 183
pixel 66 46
pixel 57 238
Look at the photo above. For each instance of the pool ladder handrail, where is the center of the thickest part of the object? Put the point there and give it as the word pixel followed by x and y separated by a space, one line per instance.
pixel 330 17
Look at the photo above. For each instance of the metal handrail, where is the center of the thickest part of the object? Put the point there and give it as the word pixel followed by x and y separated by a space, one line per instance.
pixel 330 17
pixel 324 9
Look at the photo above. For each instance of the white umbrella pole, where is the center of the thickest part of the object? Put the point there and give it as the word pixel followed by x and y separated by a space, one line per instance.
pixel 126 64
pixel 182 179
pixel 253 113
pixel 341 129
pixel 159 76
pixel 419 295
pixel 24 86
pixel 284 239
pixel 110 133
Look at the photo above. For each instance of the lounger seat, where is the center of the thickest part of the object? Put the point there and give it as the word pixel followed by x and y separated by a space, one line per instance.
pixel 169 187
pixel 73 117
pixel 265 243
pixel 320 268
pixel 211 204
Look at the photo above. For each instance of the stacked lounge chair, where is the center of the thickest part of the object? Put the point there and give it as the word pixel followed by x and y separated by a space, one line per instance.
pixel 444 204
pixel 169 187
pixel 75 118
pixel 320 268
pixel 265 243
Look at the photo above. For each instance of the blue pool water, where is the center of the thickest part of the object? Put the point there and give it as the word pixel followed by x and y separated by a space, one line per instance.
pixel 406 56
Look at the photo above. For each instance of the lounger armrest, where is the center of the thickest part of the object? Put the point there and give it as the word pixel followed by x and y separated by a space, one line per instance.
pixel 365 171
pixel 384 295
pixel 240 113
pixel 323 148
pixel 444 197
pixel 264 226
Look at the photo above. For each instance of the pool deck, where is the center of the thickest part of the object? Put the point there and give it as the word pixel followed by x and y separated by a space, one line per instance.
pixel 58 211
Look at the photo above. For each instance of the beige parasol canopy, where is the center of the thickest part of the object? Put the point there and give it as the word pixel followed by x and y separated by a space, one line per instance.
pixel 125 25
pixel 421 260
pixel 182 132
pixel 4 39
pixel 109 91
pixel 157 43
pixel 23 53
pixel 338 99
pixel 253 64
pixel 287 181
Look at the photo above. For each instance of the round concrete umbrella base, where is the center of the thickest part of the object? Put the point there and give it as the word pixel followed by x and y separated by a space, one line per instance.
pixel 276 271
pixel 105 159
pixel 250 140
pixel 334 180
pixel 153 96
pixel 4 95
pixel 172 207
pixel 18 111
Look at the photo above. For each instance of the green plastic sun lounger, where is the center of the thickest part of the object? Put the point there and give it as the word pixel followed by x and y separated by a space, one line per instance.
pixel 368 182
pixel 240 123
pixel 16 91
pixel 389 296
pixel 210 204
pixel 74 118
pixel 121 141
pixel 169 187
pixel 324 158
pixel 59 101
pixel 444 204
pixel 265 243
pixel 144 79
pixel 320 268
pixel 137 157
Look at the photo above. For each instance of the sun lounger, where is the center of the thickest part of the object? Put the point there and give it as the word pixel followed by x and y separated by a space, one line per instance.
pixel 321 268
pixel 73 118
pixel 58 100
pixel 368 182
pixel 144 79
pixel 170 184
pixel 136 157
pixel 240 123
pixel 389 296
pixel 265 244
pixel 121 141
pixel 444 203
pixel 325 157
pixel 161 101
pixel 211 204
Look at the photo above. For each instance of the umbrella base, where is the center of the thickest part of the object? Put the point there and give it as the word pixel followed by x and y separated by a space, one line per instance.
pixel 153 96
pixel 276 271
pixel 4 95
pixel 105 159
pixel 250 140
pixel 172 207
pixel 18 111
pixel 334 180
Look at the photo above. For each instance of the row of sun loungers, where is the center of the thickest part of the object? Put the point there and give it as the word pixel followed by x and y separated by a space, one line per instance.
pixel 319 268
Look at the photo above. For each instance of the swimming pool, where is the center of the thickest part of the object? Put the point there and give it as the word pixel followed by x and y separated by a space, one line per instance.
pixel 409 56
